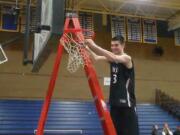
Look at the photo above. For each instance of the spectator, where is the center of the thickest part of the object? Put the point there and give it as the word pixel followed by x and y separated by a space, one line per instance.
pixel 155 130
pixel 166 130
pixel 177 132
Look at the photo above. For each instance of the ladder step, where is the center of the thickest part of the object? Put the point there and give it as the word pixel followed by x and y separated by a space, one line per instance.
pixel 61 132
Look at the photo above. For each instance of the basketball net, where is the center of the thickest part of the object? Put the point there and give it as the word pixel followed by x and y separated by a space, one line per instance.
pixel 74 43
pixel 76 49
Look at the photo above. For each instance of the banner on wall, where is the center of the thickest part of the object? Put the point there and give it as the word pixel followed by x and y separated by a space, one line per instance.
pixel 149 31
pixel 86 22
pixel 118 26
pixel 9 19
pixel 177 37
pixel 134 29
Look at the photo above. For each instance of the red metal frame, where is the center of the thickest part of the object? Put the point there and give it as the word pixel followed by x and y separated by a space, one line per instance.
pixel 96 90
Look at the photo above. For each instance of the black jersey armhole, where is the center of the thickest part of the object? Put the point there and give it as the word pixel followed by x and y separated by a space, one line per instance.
pixel 129 69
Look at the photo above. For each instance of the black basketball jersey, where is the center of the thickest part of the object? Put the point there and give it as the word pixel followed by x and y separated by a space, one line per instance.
pixel 122 86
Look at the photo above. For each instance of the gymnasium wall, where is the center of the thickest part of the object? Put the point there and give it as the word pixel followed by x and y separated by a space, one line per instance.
pixel 152 72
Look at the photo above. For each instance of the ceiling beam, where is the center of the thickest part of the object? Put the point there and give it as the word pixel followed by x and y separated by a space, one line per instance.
pixel 80 3
pixel 14 3
pixel 103 5
pixel 114 13
pixel 154 3
pixel 174 22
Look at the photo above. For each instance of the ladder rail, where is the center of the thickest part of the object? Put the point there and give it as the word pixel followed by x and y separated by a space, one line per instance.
pixel 96 90
pixel 47 101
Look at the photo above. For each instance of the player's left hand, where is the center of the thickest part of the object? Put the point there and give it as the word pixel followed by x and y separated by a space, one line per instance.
pixel 89 41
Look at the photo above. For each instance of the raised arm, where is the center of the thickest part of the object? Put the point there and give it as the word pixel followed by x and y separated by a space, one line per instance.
pixel 94 56
pixel 125 59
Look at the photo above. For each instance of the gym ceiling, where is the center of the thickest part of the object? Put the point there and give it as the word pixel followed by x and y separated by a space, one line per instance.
pixel 168 10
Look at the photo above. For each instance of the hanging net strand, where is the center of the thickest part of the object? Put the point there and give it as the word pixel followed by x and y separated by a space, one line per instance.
pixel 75 47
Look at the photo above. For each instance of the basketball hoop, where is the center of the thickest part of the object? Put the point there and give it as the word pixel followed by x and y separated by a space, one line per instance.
pixel 74 44
pixel 3 57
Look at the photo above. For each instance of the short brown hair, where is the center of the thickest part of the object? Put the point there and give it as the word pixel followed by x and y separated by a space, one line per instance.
pixel 119 38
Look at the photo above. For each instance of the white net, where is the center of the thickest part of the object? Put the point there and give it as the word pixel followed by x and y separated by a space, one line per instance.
pixel 77 53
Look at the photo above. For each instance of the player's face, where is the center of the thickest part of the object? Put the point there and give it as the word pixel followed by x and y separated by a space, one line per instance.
pixel 117 47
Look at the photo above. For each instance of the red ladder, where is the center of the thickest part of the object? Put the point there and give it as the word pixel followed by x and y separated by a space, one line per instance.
pixel 96 90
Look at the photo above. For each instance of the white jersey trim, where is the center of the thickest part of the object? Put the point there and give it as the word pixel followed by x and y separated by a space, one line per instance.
pixel 128 97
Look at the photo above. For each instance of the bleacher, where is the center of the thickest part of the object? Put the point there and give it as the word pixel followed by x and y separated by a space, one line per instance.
pixel 168 103
pixel 20 117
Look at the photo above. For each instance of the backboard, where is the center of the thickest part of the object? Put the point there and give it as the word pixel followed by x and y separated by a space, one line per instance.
pixel 51 23
pixel 3 57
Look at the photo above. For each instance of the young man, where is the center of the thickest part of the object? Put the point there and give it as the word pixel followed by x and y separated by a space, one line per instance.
pixel 122 95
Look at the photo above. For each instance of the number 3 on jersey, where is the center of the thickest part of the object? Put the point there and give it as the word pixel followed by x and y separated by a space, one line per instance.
pixel 114 79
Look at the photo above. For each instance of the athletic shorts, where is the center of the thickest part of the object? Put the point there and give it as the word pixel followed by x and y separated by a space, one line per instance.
pixel 125 120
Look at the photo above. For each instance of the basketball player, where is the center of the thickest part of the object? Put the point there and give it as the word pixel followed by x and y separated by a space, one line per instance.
pixel 122 95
